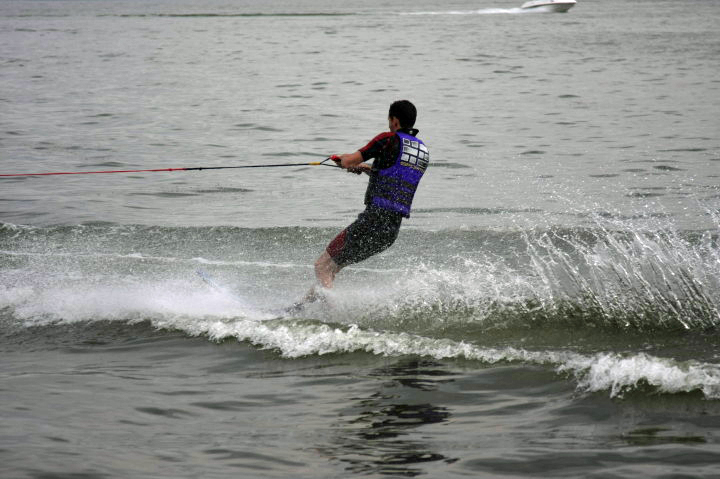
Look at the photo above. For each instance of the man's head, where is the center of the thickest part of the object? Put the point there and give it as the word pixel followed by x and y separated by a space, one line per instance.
pixel 404 113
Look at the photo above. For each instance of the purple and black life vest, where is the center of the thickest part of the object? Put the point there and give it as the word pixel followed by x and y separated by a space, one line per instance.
pixel 393 188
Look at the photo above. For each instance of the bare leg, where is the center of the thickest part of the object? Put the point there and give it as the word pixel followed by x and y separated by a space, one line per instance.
pixel 325 270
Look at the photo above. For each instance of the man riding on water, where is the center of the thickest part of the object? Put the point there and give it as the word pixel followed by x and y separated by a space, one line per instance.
pixel 400 159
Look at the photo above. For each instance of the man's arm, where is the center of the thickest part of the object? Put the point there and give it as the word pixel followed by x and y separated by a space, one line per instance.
pixel 352 162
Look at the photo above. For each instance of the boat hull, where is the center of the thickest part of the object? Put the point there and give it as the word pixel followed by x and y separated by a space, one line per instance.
pixel 549 6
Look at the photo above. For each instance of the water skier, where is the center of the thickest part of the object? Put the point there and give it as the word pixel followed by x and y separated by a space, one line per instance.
pixel 399 161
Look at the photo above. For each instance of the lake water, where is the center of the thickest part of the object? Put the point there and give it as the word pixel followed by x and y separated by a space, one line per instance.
pixel 550 309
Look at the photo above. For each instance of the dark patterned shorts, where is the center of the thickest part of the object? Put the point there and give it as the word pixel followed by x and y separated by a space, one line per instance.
pixel 374 230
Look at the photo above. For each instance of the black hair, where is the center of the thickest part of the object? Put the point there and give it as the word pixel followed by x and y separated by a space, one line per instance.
pixel 405 112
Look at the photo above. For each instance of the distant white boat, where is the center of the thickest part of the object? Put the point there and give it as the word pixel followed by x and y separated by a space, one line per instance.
pixel 549 5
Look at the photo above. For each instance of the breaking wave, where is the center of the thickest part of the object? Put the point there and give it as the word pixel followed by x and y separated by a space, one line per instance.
pixel 614 309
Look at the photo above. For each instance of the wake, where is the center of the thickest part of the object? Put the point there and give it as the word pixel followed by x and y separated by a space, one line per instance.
pixel 483 11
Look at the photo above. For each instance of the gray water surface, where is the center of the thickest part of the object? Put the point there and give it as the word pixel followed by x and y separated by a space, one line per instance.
pixel 550 309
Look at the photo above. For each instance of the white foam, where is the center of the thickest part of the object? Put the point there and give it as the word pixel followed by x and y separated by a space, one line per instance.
pixel 267 264
pixel 621 373
pixel 126 302
pixel 600 372
pixel 469 289
pixel 186 306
